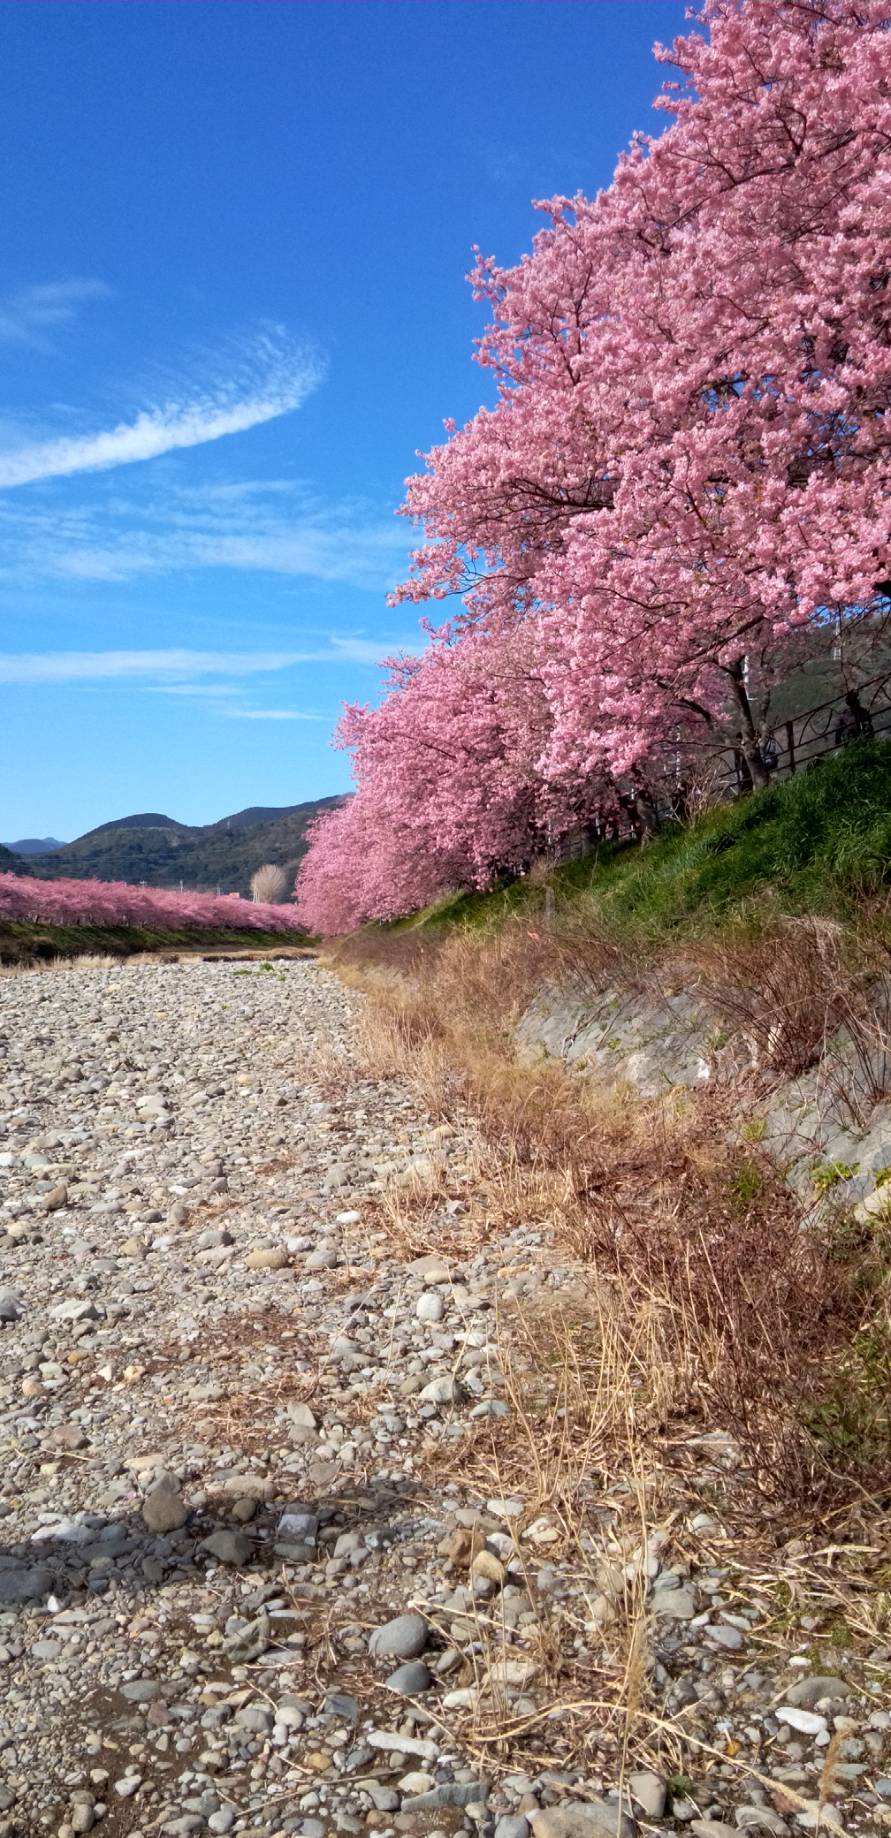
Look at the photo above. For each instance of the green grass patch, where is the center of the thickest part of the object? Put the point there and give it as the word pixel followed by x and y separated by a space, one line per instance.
pixel 817 843
pixel 24 942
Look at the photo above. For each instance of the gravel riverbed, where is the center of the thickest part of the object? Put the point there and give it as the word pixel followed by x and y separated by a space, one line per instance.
pixel 246 1583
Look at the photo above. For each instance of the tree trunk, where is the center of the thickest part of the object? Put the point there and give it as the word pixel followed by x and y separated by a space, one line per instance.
pixel 748 739
pixel 645 812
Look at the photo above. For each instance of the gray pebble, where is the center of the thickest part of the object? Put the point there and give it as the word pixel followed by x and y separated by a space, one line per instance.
pixel 410 1679
pixel 650 1791
pixel 163 1509
pixel 807 1692
pixel 722 1636
pixel 405 1637
pixel 228 1547
pixel 583 1819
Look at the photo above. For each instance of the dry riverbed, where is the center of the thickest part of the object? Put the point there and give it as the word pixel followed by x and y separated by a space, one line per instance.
pixel 299 1532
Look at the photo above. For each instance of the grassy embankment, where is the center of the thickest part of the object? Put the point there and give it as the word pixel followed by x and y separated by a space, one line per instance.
pixel 26 942
pixel 819 843
pixel 714 1297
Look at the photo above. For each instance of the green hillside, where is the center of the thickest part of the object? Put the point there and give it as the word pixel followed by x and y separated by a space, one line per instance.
pixel 818 842
pixel 154 848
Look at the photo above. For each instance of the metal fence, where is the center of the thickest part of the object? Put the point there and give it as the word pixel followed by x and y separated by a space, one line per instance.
pixel 799 743
pixel 796 745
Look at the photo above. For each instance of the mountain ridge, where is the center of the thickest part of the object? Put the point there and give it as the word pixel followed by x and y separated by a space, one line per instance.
pixel 34 845
pixel 150 847
pixel 141 820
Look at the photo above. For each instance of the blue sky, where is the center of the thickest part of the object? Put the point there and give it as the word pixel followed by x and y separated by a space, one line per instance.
pixel 232 307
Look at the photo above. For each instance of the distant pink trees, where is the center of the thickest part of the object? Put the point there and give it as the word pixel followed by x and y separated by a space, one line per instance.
pixel 117 903
pixel 684 480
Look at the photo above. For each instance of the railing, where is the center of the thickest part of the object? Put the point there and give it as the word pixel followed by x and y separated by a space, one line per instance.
pixel 795 745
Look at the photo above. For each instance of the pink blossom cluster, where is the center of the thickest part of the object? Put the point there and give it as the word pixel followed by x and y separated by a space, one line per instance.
pixel 684 480
pixel 117 903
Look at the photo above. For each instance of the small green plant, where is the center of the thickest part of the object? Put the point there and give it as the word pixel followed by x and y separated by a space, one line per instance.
pixel 746 1186
pixel 852 1416
pixel 755 1130
pixel 883 1176
pixel 860 1248
pixel 827 1175
pixel 840 1636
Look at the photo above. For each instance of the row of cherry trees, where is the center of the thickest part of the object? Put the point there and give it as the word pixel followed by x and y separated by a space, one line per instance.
pixel 117 903
pixel 683 487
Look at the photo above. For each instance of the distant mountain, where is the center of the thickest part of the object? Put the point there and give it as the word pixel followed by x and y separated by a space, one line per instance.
pixel 257 813
pixel 35 845
pixel 164 853
pixel 147 820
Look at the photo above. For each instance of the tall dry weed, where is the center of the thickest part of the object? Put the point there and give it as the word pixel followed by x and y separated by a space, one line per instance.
pixel 789 989
pixel 723 1311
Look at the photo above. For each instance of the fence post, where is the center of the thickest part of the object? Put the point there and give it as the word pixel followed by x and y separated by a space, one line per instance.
pixel 790 743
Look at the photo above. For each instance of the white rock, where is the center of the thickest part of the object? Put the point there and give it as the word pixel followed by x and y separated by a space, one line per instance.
pixel 807 1721
pixel 402 1745
pixel 512 1672
pixel 541 1531
pixel 433 1269
pixel 128 1785
pixel 445 1390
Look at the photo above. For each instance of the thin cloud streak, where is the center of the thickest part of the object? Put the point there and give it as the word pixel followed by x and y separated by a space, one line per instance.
pixel 284 374
pixel 365 556
pixel 47 667
pixel 209 690
pixel 268 714
pixel 102 666
pixel 29 314
pixel 370 650
pixel 245 527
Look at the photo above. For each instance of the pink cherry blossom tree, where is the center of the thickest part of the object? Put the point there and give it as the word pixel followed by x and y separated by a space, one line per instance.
pixel 67 902
pixel 688 457
pixel 682 487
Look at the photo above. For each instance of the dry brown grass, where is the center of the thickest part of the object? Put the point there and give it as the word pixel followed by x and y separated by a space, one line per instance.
pixel 85 960
pixel 527 1693
pixel 747 1322
pixel 326 1063
pixel 790 991
pixel 700 1357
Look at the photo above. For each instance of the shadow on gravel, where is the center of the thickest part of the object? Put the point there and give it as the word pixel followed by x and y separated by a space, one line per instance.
pixel 86 1556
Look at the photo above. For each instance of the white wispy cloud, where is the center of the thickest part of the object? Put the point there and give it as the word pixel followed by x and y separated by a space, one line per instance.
pixel 180 665
pixel 234 491
pixel 369 650
pixel 269 377
pixel 30 315
pixel 269 714
pixel 363 554
pixel 103 666
pixel 212 691
pixel 276 527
